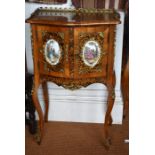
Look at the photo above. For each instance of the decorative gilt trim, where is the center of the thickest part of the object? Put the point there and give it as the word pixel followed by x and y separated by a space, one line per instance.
pixel 72 87
pixel 73 84
pixel 66 49
pixel 114 43
pixel 79 10
pixel 59 37
pixel 32 42
pixel 71 51
pixel 82 39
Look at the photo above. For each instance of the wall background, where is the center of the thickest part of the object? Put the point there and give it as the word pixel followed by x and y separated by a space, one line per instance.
pixel 84 105
pixel 117 4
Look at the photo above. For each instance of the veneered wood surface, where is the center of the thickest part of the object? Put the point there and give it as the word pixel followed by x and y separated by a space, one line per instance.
pixel 77 51
pixel 71 59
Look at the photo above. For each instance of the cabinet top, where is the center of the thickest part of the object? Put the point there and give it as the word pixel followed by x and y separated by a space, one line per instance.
pixel 74 17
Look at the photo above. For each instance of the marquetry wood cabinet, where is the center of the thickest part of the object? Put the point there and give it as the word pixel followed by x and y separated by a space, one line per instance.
pixel 73 48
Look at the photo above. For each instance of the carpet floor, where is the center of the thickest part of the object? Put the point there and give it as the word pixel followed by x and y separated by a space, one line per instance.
pixel 61 138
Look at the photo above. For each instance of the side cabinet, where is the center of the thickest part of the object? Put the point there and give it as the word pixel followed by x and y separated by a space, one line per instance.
pixel 73 48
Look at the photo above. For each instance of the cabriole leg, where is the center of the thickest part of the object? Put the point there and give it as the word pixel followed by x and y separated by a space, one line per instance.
pixel 108 118
pixel 110 104
pixel 46 99
pixel 39 111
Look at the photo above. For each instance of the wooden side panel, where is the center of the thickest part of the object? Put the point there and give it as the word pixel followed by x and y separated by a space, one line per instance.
pixel 34 40
pixel 110 69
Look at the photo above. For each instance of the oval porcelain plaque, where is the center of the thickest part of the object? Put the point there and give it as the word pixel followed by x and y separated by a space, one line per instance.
pixel 91 53
pixel 52 52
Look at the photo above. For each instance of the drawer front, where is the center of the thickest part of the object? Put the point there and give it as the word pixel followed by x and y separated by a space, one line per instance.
pixel 91 51
pixel 53 51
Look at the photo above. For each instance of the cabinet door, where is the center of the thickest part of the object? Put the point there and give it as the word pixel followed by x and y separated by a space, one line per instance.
pixel 53 51
pixel 90 51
